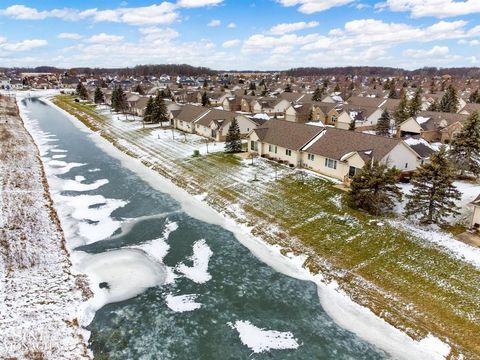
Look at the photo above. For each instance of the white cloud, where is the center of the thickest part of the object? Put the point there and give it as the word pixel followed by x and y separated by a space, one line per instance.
pixel 103 38
pixel 157 36
pixel 436 8
pixel 232 25
pixel 24 45
pixel 214 23
pixel 434 52
pixel 285 28
pixel 69 36
pixel 231 43
pixel 163 13
pixel 312 6
pixel 198 3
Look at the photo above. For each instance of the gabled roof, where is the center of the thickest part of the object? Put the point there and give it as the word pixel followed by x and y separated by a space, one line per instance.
pixel 433 120
pixel 216 115
pixel 190 113
pixel 287 134
pixel 363 101
pixel 336 143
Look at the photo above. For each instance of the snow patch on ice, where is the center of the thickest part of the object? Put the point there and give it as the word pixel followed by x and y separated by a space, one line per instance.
pixel 118 275
pixel 74 185
pixel 260 340
pixel 182 303
pixel 199 271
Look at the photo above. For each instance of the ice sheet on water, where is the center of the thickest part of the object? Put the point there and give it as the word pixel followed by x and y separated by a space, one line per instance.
pixel 261 340
pixel 182 303
pixel 74 185
pixel 118 275
pixel 94 214
pixel 199 271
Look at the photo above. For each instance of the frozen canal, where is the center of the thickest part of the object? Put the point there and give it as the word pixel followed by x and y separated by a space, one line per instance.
pixel 168 285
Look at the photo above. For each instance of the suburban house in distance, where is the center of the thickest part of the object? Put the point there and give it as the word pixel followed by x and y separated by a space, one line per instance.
pixel 211 123
pixel 329 151
pixel 433 126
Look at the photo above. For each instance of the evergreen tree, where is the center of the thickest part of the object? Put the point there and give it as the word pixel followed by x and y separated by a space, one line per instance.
pixel 253 86
pixel 288 88
pixel 352 126
pixel 449 102
pixel 401 112
pixel 233 143
pixel 317 94
pixel 383 124
pixel 474 97
pixel 433 192
pixel 205 100
pixel 98 97
pixel 81 91
pixel 433 106
pixel 393 92
pixel 147 117
pixel 119 99
pixel 336 88
pixel 415 104
pixel 433 89
pixel 159 111
pixel 375 188
pixel 139 89
pixel 465 147
pixel 205 83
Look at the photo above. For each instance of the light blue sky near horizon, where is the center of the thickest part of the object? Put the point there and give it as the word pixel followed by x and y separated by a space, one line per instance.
pixel 247 34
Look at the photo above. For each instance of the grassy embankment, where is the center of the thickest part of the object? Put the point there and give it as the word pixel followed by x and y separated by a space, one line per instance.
pixel 409 282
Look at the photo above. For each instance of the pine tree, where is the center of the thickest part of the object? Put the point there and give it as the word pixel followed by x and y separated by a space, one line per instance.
pixel 352 126
pixel 139 89
pixel 383 124
pixel 393 92
pixel 159 111
pixel 415 104
pixel 374 189
pixel 253 86
pixel 336 88
pixel 433 192
pixel 433 89
pixel 205 100
pixel 147 116
pixel 433 106
pixel 98 97
pixel 288 88
pixel 81 91
pixel 317 94
pixel 233 143
pixel 401 112
pixel 465 147
pixel 205 83
pixel 449 102
pixel 474 97
pixel 119 99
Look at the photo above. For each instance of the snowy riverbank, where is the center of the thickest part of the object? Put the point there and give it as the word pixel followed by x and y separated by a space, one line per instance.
pixel 40 298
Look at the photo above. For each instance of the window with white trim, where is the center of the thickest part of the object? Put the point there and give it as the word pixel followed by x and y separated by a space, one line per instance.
pixel 330 163
pixel 288 152
pixel 311 157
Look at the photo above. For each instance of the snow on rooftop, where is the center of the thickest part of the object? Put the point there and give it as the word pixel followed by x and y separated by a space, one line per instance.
pixel 421 120
pixel 417 141
pixel 261 116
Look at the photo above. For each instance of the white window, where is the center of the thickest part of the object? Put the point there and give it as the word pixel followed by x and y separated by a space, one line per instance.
pixel 331 163
pixel 311 157
pixel 288 152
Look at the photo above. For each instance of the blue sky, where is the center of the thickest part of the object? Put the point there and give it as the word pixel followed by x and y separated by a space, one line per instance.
pixel 242 34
